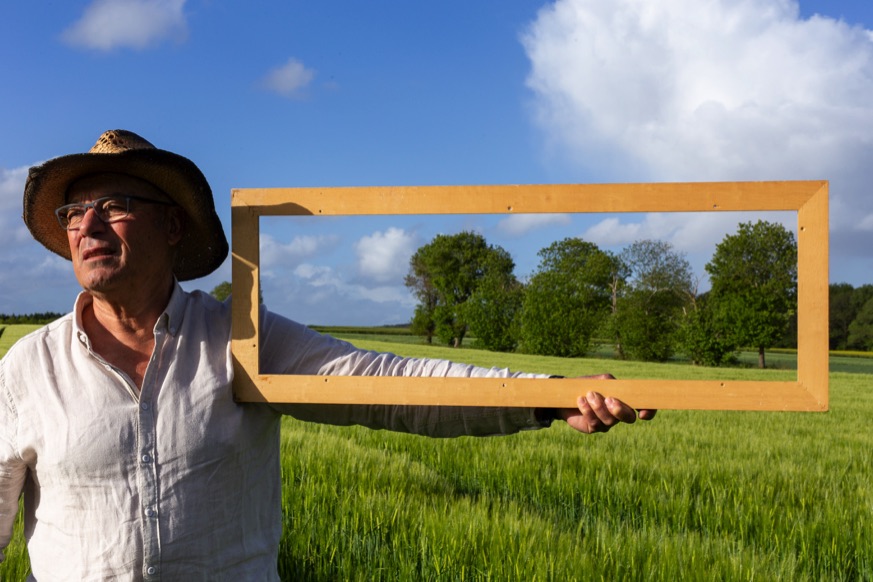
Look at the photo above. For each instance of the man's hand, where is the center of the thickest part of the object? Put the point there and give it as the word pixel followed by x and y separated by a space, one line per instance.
pixel 599 414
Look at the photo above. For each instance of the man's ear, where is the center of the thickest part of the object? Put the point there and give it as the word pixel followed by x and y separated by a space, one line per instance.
pixel 175 225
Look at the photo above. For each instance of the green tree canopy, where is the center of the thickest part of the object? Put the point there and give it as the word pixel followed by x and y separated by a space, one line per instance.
pixel 861 328
pixel 221 291
pixel 841 312
pixel 493 312
pixel 649 312
pixel 703 339
pixel 445 273
pixel 567 298
pixel 754 284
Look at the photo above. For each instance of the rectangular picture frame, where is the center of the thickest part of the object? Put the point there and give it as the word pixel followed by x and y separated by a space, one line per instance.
pixel 808 198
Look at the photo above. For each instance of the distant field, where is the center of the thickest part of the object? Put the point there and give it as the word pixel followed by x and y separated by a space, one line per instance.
pixel 9 334
pixel 850 362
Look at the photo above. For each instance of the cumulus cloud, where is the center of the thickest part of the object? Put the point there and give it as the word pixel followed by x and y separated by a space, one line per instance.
pixel 290 79
pixel 33 278
pixel 301 248
pixel 688 232
pixel 137 24
pixel 313 293
pixel 519 224
pixel 11 191
pixel 684 90
pixel 384 256
pixel 333 283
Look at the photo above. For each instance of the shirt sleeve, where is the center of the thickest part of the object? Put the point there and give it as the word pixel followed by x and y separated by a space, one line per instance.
pixel 290 348
pixel 12 467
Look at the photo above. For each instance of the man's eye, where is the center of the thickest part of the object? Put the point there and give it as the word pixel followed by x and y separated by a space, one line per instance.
pixel 75 213
pixel 114 207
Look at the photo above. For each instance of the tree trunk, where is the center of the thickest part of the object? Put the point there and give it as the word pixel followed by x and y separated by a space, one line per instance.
pixel 761 363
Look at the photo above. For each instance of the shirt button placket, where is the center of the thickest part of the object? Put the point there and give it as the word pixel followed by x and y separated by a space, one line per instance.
pixel 149 489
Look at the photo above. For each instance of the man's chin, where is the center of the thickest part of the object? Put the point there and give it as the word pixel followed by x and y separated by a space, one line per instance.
pixel 98 280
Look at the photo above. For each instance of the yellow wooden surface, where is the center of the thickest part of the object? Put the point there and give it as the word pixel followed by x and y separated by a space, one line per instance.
pixel 545 393
pixel 808 198
pixel 812 295
pixel 529 198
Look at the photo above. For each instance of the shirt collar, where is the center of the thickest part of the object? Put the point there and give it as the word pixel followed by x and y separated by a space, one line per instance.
pixel 175 311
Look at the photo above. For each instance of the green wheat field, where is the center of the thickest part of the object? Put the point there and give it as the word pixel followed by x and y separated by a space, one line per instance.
pixel 688 496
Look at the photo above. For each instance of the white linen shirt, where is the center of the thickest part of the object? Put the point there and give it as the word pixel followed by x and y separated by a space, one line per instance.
pixel 177 481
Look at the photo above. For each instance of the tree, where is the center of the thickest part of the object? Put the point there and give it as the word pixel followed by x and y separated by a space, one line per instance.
pixel 223 290
pixel 702 339
pixel 648 314
pixel 754 284
pixel 423 323
pixel 445 273
pixel 567 298
pixel 840 314
pixel 419 280
pixel 845 304
pixel 492 312
pixel 861 328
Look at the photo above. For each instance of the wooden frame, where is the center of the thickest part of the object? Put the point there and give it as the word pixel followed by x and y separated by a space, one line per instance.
pixel 808 198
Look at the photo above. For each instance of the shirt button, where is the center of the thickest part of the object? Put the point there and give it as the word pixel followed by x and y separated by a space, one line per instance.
pixel 150 512
pixel 144 405
pixel 146 458
pixel 151 570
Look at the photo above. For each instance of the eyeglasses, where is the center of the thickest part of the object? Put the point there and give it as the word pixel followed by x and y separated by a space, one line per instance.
pixel 108 209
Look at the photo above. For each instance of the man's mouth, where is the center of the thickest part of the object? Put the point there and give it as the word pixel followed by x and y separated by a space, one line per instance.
pixel 96 253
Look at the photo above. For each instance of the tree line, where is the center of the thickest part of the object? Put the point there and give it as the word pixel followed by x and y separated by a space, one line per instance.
pixel 851 317
pixel 643 300
pixel 30 318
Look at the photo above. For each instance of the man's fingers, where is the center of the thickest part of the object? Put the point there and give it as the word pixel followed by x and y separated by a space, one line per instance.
pixel 588 422
pixel 647 414
pixel 597 415
pixel 621 411
pixel 610 411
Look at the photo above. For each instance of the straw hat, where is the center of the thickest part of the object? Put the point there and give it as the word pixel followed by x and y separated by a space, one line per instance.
pixel 203 247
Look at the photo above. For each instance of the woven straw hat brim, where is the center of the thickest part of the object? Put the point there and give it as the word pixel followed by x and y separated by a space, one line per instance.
pixel 203 247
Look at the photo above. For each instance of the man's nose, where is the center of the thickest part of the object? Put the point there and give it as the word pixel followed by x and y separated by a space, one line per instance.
pixel 91 223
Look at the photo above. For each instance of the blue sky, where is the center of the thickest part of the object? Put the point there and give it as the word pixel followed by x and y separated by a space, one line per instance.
pixel 274 94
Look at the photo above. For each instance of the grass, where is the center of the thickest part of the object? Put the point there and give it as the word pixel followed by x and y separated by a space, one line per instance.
pixel 688 496
pixel 691 495
pixel 9 334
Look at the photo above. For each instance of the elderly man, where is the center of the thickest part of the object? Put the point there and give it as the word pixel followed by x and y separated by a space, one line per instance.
pixel 117 422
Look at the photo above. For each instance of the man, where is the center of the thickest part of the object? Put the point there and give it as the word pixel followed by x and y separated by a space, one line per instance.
pixel 117 422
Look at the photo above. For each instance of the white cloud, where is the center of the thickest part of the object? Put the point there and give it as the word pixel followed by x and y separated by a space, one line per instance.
pixel 290 79
pixel 317 275
pixel 682 90
pixel 866 223
pixel 519 224
pixel 384 256
pixel 277 254
pixel 137 24
pixel 312 294
pixel 12 187
pixel 687 232
pixel 14 233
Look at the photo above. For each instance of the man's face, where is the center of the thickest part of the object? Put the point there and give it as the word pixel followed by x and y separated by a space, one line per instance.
pixel 135 252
